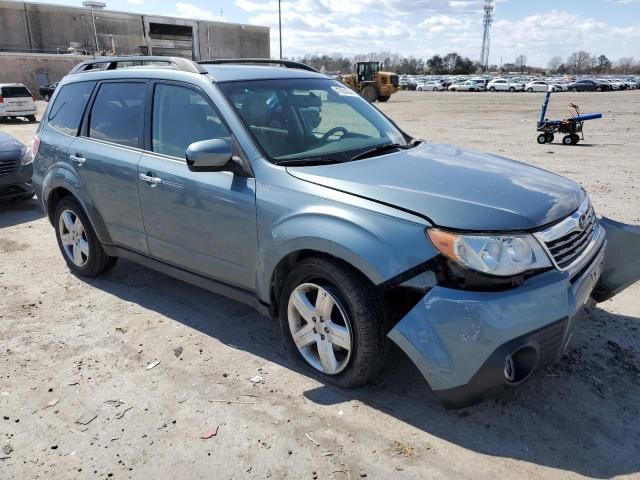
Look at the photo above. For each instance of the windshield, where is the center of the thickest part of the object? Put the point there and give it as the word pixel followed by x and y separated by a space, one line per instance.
pixel 296 119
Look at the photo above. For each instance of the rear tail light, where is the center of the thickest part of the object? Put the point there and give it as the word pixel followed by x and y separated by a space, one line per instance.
pixel 1 99
pixel 33 97
pixel 35 145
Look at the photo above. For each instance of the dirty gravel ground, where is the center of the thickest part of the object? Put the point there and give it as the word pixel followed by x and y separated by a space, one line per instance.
pixel 73 349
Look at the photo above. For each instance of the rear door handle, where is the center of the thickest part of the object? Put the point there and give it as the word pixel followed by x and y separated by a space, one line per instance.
pixel 150 179
pixel 78 159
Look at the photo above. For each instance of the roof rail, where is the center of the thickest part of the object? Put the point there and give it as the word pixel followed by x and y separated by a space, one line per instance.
pixel 259 61
pixel 111 63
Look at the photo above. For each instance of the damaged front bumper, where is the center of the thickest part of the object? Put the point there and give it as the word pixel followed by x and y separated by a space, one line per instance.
pixel 467 343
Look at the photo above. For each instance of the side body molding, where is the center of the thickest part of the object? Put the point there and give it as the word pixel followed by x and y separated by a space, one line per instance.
pixel 622 259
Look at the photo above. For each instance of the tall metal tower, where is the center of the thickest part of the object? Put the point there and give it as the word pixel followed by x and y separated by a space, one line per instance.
pixel 489 6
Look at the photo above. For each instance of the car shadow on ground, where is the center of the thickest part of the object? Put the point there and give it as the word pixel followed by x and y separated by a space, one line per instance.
pixel 555 420
pixel 14 212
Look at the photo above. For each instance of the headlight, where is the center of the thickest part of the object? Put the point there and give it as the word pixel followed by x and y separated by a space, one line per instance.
pixel 26 157
pixel 500 255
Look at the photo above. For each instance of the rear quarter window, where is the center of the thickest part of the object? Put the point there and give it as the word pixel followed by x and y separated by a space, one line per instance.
pixel 15 92
pixel 66 112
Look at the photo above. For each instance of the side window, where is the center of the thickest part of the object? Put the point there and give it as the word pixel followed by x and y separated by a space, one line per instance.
pixel 117 113
pixel 181 116
pixel 66 112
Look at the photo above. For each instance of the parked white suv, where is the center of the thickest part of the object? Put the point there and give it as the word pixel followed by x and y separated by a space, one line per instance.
pixel 504 85
pixel 17 101
pixel 540 86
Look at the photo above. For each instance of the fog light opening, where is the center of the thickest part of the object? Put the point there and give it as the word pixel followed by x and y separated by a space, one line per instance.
pixel 520 364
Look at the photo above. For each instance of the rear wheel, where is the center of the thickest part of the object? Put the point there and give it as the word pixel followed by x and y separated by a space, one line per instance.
pixel 512 89
pixel 370 93
pixel 568 140
pixel 576 138
pixel 492 89
pixel 78 242
pixel 384 98
pixel 598 89
pixel 542 138
pixel 574 89
pixel 530 90
pixel 550 137
pixel 434 89
pixel 46 97
pixel 332 321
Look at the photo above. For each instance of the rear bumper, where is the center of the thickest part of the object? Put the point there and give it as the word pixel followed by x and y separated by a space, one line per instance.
pixel 17 113
pixel 460 340
pixel 16 183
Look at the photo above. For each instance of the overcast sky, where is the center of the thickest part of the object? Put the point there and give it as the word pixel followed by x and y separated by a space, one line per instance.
pixel 539 29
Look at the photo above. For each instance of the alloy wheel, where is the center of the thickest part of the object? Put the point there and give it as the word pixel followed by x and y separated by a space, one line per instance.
pixel 74 238
pixel 320 328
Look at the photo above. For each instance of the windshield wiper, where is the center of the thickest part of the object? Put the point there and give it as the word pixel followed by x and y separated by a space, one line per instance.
pixel 301 162
pixel 380 149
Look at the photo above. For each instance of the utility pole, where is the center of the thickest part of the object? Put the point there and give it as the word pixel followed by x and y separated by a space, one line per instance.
pixel 93 4
pixel 489 7
pixel 280 26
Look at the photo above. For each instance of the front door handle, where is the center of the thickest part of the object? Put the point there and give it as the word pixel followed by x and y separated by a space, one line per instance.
pixel 150 179
pixel 78 159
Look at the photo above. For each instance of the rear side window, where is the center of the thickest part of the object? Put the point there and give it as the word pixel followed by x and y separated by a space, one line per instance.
pixel 66 112
pixel 15 92
pixel 117 113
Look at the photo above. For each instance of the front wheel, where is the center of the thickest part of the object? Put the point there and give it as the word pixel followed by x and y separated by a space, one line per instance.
pixel 78 241
pixel 384 98
pixel 512 89
pixel 530 90
pixel 574 89
pixel 599 89
pixel 46 97
pixel 434 89
pixel 332 320
pixel 542 138
pixel 370 93
pixel 492 89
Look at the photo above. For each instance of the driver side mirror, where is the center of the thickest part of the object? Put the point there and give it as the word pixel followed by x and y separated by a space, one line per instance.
pixel 210 156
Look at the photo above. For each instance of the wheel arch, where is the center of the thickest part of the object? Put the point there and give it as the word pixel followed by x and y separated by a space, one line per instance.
pixel 57 193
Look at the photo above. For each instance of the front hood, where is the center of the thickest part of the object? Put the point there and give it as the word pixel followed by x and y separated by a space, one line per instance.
pixel 454 188
pixel 9 144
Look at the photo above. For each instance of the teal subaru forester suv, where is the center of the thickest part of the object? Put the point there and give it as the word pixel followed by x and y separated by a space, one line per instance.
pixel 280 187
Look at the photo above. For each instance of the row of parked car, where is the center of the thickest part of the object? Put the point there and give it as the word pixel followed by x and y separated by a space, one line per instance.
pixel 516 84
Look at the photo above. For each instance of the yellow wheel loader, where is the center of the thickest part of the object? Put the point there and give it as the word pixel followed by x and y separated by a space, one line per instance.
pixel 371 83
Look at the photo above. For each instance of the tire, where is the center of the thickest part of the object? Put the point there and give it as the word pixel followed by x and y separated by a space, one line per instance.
pixel 550 137
pixel 574 89
pixel 46 97
pixel 542 138
pixel 370 93
pixel 92 260
pixel 357 313
pixel 598 89
pixel 576 138
pixel 434 89
pixel 512 89
pixel 419 89
pixel 492 89
pixel 384 98
pixel 567 140
pixel 32 118
pixel 530 90
pixel 452 89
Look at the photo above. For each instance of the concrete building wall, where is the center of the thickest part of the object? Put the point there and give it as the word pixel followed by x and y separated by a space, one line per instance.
pixel 34 27
pixel 28 68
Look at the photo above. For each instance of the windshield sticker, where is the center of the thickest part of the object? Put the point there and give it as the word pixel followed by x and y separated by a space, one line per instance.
pixel 344 91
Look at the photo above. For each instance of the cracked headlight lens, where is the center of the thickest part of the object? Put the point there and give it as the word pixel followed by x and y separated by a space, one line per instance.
pixel 500 255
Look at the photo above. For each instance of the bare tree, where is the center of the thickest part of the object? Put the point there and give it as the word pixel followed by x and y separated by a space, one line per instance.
pixel 554 64
pixel 521 63
pixel 579 62
pixel 625 64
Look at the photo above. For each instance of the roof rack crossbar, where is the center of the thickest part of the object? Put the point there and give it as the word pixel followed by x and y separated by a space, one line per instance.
pixel 259 61
pixel 111 63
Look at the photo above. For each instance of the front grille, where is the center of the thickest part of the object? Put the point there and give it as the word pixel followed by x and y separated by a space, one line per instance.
pixel 550 342
pixel 8 166
pixel 568 248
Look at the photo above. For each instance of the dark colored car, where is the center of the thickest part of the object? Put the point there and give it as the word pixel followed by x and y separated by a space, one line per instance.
pixel 589 86
pixel 47 90
pixel 16 169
